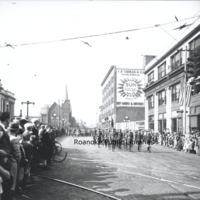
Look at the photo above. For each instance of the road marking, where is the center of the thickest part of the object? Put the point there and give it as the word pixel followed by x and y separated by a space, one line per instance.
pixel 164 180
pixel 176 174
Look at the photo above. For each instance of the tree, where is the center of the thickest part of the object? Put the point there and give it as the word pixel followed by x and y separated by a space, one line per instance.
pixel 193 71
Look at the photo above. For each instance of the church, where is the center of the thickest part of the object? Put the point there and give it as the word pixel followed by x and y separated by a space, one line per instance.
pixel 59 114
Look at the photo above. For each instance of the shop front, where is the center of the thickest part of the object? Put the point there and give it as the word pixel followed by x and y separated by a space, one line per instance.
pixel 151 122
pixel 161 122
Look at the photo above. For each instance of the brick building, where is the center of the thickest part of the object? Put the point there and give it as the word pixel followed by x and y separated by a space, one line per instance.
pixel 58 114
pixel 122 99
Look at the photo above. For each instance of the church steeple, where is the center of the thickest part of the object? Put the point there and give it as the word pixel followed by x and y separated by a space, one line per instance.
pixel 66 93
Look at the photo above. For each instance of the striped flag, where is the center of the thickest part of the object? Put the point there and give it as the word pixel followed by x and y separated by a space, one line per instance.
pixel 181 98
pixel 188 95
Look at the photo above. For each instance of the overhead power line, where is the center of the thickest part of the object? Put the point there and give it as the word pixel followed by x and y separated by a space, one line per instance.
pixel 97 35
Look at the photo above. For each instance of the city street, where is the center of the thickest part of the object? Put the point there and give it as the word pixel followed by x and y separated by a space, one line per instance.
pixel 161 174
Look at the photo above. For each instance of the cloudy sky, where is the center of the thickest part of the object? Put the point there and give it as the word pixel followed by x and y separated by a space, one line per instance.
pixel 39 72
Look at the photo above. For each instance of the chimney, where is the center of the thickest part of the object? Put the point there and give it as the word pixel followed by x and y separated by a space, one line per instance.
pixel 147 59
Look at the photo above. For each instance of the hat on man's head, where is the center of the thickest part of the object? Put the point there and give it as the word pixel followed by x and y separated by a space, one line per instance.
pixel 35 120
pixel 23 120
pixel 13 126
pixel 28 125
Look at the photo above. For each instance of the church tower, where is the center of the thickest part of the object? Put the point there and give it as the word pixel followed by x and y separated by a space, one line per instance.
pixel 66 93
pixel 66 108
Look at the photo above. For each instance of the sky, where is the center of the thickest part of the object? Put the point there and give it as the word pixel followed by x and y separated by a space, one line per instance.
pixel 40 72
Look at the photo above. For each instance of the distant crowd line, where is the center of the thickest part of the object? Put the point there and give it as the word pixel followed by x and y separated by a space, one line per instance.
pixel 189 143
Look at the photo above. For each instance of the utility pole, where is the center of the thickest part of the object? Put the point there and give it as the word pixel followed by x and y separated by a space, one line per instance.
pixel 28 102
pixel 185 85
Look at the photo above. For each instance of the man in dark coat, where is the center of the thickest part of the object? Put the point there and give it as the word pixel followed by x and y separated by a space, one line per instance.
pixel 4 137
pixel 36 157
pixel 36 124
pixel 149 139
pixel 138 138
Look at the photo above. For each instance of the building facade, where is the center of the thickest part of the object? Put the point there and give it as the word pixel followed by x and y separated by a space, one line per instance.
pixel 122 99
pixel 7 101
pixel 58 114
pixel 164 79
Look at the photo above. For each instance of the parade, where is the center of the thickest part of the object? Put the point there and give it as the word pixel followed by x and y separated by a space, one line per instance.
pixel 112 138
pixel 99 100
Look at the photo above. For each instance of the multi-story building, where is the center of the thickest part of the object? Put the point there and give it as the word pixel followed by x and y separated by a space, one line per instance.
pixel 164 80
pixel 122 99
pixel 7 101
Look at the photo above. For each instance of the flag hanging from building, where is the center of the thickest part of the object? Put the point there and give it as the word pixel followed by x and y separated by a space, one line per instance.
pixel 181 98
pixel 188 95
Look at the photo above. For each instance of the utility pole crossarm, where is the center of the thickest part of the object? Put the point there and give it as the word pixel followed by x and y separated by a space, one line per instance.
pixel 27 102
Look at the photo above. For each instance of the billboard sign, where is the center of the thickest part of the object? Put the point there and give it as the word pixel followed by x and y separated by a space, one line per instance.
pixel 130 83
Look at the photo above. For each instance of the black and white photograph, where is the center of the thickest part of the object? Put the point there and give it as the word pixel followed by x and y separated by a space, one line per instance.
pixel 99 100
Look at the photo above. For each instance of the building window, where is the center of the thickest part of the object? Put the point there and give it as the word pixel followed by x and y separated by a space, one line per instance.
pixel 197 109
pixel 151 77
pixel 176 60
pixel 162 98
pixel 195 44
pixel 162 70
pixel 174 125
pixel 151 118
pixel 175 92
pixel 151 122
pixel 151 101
pixel 191 110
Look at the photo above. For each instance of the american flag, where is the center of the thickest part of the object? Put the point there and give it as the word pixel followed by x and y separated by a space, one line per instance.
pixel 188 95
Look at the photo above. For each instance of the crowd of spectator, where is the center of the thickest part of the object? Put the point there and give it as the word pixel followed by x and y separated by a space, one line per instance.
pixel 24 147
pixel 189 142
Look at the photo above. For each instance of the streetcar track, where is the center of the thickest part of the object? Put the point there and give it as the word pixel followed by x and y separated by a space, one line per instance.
pixel 78 186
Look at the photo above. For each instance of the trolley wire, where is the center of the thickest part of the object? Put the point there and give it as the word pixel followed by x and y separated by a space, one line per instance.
pixel 97 35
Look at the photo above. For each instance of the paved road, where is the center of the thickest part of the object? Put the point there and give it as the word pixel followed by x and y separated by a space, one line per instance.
pixel 161 174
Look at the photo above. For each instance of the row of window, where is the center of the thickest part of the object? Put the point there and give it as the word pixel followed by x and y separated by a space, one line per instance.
pixel 108 113
pixel 175 125
pixel 111 101
pixel 108 84
pixel 111 91
pixel 5 106
pixel 176 60
pixel 162 96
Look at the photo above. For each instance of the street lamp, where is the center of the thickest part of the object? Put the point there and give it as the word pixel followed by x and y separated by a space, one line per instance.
pixel 126 120
pixel 28 102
